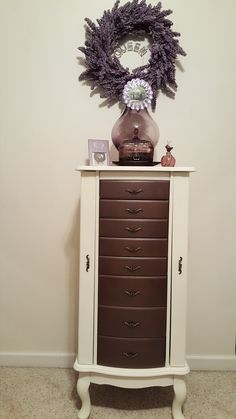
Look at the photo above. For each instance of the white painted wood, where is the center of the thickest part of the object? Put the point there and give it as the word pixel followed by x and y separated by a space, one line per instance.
pixel 96 234
pixel 86 278
pixel 176 366
pixel 131 378
pixel 132 372
pixel 37 359
pixel 212 362
pixel 66 360
pixel 129 382
pixel 179 398
pixel 179 281
pixel 135 175
pixel 83 384
pixel 150 169
pixel 169 273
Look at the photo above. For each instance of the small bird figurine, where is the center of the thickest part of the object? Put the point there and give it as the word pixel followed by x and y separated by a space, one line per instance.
pixel 168 159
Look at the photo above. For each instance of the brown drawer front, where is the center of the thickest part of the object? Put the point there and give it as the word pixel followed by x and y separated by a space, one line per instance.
pixel 134 353
pixel 109 265
pixel 134 209
pixel 132 291
pixel 134 189
pixel 132 322
pixel 133 247
pixel 133 228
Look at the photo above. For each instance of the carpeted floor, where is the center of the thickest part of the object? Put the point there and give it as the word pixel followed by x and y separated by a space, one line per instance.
pixel 48 393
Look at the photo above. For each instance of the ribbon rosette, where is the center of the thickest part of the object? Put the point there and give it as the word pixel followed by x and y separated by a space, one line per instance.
pixel 137 94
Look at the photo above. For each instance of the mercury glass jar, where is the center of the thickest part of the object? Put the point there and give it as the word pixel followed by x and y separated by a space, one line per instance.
pixel 136 151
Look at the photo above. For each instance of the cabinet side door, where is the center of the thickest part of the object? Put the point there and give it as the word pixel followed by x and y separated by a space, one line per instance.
pixel 179 269
pixel 86 273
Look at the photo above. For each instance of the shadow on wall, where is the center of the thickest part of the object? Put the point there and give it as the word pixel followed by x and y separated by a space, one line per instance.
pixel 72 250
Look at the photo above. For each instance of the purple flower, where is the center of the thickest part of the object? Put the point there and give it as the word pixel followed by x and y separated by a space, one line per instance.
pixel 104 70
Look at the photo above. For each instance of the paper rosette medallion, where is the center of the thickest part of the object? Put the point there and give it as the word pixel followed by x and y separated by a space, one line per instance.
pixel 137 94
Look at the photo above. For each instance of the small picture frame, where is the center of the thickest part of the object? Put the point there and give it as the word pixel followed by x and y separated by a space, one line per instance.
pixel 98 152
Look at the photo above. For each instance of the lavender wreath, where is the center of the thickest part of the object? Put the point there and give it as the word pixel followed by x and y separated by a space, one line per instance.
pixel 103 68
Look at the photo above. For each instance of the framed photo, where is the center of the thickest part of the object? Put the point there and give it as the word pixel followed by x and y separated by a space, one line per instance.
pixel 98 152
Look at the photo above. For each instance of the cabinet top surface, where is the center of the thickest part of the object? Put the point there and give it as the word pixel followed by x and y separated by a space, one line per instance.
pixel 134 169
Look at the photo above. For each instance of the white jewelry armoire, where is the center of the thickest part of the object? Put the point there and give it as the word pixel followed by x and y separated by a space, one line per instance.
pixel 133 279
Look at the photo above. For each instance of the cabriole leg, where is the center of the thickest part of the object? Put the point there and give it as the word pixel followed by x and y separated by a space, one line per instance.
pixel 83 392
pixel 180 396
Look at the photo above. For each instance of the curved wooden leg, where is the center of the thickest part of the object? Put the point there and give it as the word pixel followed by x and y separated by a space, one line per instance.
pixel 83 392
pixel 180 396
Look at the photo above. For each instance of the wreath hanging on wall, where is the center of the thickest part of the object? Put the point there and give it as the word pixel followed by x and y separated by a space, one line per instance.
pixel 103 68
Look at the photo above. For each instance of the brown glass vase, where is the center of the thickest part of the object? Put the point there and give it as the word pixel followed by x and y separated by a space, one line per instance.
pixel 168 159
pixel 132 121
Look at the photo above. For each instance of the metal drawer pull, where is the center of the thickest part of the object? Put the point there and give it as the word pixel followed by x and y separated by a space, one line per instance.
pixel 180 265
pixel 133 249
pixel 132 324
pixel 132 268
pixel 134 191
pixel 132 293
pixel 134 210
pixel 130 354
pixel 87 263
pixel 133 229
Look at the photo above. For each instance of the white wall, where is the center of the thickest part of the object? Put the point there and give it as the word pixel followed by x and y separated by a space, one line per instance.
pixel 46 117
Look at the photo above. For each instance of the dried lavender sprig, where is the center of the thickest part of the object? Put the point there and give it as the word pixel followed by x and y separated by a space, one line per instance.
pixel 104 70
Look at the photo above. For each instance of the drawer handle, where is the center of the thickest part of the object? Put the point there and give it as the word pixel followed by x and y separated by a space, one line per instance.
pixel 132 268
pixel 180 268
pixel 134 191
pixel 132 324
pixel 134 210
pixel 87 263
pixel 133 229
pixel 130 354
pixel 133 249
pixel 132 293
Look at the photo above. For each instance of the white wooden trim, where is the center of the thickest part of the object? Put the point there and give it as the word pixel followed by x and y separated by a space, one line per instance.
pixel 37 359
pixel 134 175
pixel 96 237
pixel 212 362
pixel 168 311
pixel 86 278
pixel 66 360
pixel 83 384
pixel 151 169
pixel 179 281
pixel 129 382
pixel 128 372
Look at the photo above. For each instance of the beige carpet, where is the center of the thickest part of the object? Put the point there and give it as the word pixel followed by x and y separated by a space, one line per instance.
pixel 48 393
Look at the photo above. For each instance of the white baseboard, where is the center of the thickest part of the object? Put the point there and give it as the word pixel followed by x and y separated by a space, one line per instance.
pixel 66 360
pixel 212 362
pixel 37 359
